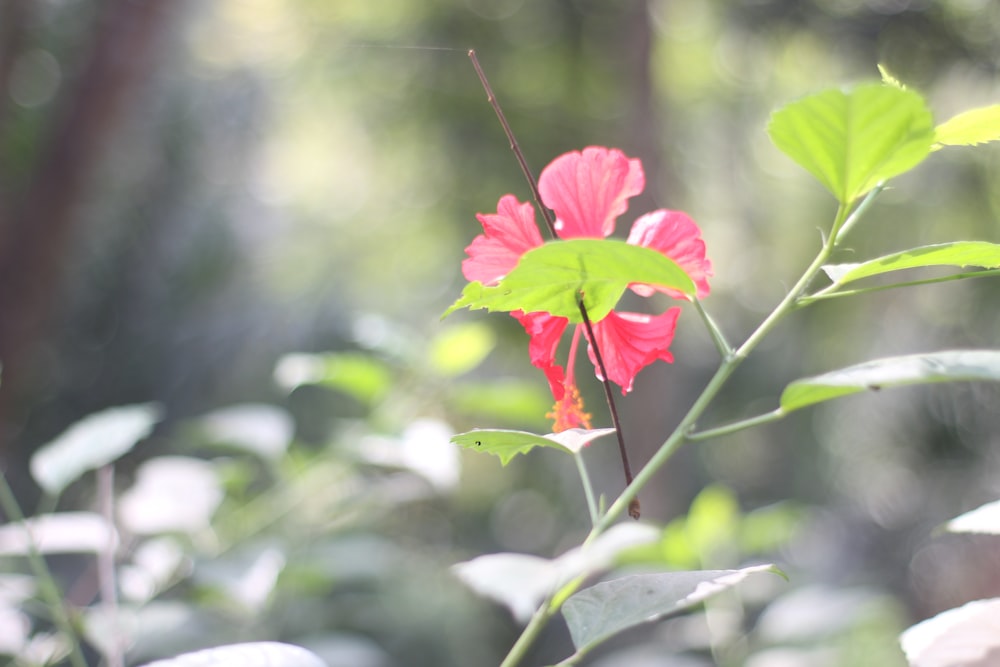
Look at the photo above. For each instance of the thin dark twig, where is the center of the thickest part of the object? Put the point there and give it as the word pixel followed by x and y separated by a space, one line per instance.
pixel 634 509
pixel 532 183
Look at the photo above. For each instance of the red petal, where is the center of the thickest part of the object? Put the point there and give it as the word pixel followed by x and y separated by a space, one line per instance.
pixel 589 190
pixel 677 236
pixel 631 341
pixel 508 234
pixel 545 331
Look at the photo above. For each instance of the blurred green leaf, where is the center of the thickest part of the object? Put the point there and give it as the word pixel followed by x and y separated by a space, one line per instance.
pixel 92 442
pixel 605 609
pixel 768 528
pixel 852 140
pixel 713 522
pixel 460 348
pixel 958 254
pixel 507 444
pixel 946 366
pixel 359 375
pixel 550 277
pixel 975 126
pixel 510 400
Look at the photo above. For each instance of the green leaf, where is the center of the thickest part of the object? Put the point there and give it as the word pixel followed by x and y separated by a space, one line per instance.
pixel 605 609
pixel 975 126
pixel 507 444
pixel 92 442
pixel 852 140
pixel 888 78
pixel 947 366
pixel 460 348
pixel 550 277
pixel 958 254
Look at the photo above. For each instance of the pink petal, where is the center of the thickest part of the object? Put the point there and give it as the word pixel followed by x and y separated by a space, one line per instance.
pixel 631 341
pixel 508 234
pixel 545 331
pixel 589 190
pixel 678 237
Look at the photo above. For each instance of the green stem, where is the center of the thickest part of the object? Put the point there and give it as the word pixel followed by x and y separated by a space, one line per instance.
pixel 46 583
pixel 588 489
pixel 733 427
pixel 530 634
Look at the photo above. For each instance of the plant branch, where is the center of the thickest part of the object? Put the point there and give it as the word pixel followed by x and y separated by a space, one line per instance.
pixel 634 509
pixel 733 427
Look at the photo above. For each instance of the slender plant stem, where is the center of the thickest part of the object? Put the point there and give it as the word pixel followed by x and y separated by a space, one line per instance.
pixel 46 583
pixel 530 634
pixel 532 183
pixel 588 489
pixel 733 427
pixel 115 655
pixel 634 510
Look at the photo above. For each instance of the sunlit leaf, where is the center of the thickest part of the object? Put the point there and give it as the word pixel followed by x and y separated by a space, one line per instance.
pixel 946 366
pixel 984 519
pixel 888 78
pixel 506 444
pixel 605 609
pixel 92 442
pixel 549 279
pixel 852 140
pixel 957 254
pixel 975 126
pixel 968 636
pixel 460 348
pixel 62 532
pixel 251 654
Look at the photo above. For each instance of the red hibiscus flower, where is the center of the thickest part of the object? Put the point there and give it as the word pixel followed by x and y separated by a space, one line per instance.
pixel 588 190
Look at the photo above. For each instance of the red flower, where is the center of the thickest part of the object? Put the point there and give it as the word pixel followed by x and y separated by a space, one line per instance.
pixel 588 190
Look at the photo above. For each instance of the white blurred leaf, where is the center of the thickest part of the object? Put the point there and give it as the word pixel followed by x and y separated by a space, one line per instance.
pixel 968 636
pixel 64 532
pixel 171 494
pixel 520 582
pixel 607 608
pixel 252 654
pixel 424 448
pixel 985 519
pixel 575 439
pixel 264 430
pixel 92 442
pixel 153 565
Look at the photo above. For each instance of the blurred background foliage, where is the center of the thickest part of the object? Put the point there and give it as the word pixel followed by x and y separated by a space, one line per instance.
pixel 266 202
